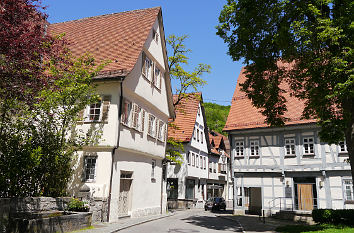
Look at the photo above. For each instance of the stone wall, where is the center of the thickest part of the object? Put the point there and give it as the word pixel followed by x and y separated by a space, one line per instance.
pixel 10 206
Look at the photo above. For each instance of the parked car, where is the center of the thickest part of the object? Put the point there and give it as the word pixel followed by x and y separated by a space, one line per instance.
pixel 215 203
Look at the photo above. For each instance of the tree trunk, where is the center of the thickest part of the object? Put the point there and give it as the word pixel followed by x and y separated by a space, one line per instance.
pixel 349 138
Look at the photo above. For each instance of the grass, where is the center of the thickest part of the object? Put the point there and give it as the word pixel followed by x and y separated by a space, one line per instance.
pixel 320 228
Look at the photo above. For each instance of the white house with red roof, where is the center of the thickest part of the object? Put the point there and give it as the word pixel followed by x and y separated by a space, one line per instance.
pixel 187 183
pixel 284 168
pixel 123 170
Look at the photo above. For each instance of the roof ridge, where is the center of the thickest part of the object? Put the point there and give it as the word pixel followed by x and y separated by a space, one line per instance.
pixel 109 14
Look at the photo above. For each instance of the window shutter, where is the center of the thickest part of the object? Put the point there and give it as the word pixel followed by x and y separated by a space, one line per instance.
pixel 142 120
pixel 165 133
pixel 105 108
pixel 156 127
pixel 219 167
pixel 143 67
pixel 81 115
pixel 153 72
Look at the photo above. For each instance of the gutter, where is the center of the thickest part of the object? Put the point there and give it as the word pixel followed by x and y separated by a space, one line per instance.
pixel 114 149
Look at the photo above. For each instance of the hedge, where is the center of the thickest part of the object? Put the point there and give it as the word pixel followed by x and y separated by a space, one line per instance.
pixel 345 216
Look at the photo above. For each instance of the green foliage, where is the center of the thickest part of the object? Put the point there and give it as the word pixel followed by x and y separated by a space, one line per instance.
pixel 38 142
pixel 216 116
pixel 315 39
pixel 321 228
pixel 187 81
pixel 77 205
pixel 337 217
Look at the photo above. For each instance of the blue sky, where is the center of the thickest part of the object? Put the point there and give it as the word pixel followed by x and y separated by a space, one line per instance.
pixel 195 18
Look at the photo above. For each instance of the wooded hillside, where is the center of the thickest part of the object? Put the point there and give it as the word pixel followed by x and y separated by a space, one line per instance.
pixel 216 116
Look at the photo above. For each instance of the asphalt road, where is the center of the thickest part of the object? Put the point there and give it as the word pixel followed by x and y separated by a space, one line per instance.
pixel 191 221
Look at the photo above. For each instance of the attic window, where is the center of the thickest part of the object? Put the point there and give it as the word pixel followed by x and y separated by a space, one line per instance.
pixel 155 35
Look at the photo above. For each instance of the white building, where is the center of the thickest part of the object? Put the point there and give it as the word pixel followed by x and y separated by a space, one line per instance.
pixel 187 183
pixel 286 168
pixel 124 169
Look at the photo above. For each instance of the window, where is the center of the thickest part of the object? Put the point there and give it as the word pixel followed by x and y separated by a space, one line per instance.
pixel 190 189
pixel 198 111
pixel 90 168
pixel 210 167
pixel 289 146
pixel 201 136
pixel 239 146
pixel 152 125
pixel 194 133
pixel 95 110
pixel 188 158
pixel 160 131
pixel 193 159
pixel 127 107
pixel 197 160
pixel 157 78
pixel 214 167
pixel 136 118
pixel 197 135
pixel 254 147
pixel 155 35
pixel 342 147
pixel 201 162
pixel 153 165
pixel 204 161
pixel 308 145
pixel 146 68
pixel 348 190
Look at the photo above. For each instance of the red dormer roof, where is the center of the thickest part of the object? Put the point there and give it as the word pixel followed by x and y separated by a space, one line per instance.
pixel 186 115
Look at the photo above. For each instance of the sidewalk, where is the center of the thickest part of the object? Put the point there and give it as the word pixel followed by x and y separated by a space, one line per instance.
pixel 105 227
pixel 252 223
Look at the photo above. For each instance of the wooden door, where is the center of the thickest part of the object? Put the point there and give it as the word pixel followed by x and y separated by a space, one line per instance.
pixel 305 196
pixel 124 196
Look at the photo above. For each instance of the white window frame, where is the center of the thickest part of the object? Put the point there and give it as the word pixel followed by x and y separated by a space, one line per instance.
pixel 151 125
pixel 188 158
pixel 127 112
pixel 290 143
pixel 348 186
pixel 342 147
pixel 239 148
pixel 193 159
pixel 306 144
pixel 86 158
pixel 88 110
pixel 155 35
pixel 196 160
pixel 210 167
pixel 160 131
pixel 136 117
pixel 147 72
pixel 254 147
pixel 201 162
pixel 153 165
pixel 157 77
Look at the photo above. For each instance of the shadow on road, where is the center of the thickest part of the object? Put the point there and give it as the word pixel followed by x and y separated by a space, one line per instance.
pixel 214 223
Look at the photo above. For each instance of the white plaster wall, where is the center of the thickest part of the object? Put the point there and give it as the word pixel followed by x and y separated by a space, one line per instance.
pixel 110 129
pixel 199 124
pixel 142 184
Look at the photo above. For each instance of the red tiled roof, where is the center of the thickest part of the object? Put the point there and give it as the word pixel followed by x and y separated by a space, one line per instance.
pixel 116 37
pixel 186 114
pixel 243 115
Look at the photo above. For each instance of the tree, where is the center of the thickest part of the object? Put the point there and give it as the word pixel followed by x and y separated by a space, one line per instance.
pixel 42 90
pixel 309 46
pixel 186 81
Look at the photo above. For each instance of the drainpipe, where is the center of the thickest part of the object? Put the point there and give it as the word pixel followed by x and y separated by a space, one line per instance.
pixel 233 175
pixel 114 150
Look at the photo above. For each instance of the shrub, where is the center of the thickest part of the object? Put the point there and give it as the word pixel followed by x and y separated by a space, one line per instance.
pixel 77 205
pixel 344 216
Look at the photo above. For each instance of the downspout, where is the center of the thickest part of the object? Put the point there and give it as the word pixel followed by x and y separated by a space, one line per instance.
pixel 233 174
pixel 114 150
